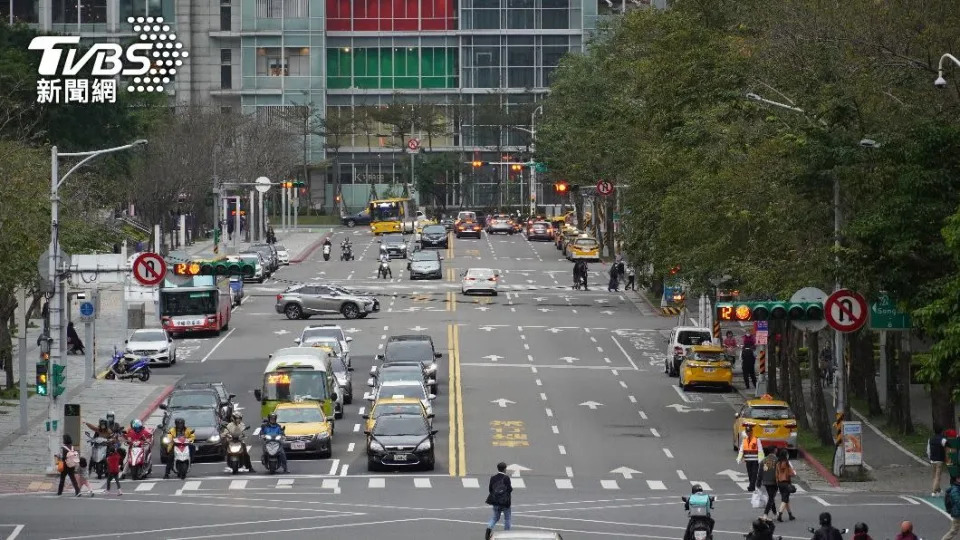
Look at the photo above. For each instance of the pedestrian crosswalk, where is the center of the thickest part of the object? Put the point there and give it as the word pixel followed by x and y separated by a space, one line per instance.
pixel 338 484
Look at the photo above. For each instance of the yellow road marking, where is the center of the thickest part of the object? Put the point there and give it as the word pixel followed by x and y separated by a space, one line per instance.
pixel 461 444
pixel 452 431
pixel 450 238
pixel 453 300
pixel 510 433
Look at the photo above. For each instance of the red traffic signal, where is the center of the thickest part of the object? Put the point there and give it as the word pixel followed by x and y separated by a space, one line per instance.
pixel 477 164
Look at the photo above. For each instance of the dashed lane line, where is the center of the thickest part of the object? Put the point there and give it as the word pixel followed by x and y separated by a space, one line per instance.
pixel 681 474
pixel 668 453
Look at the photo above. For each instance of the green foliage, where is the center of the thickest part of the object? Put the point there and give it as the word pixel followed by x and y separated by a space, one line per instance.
pixel 24 213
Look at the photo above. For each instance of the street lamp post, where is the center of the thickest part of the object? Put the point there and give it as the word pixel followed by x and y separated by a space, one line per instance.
pixel 56 311
pixel 942 82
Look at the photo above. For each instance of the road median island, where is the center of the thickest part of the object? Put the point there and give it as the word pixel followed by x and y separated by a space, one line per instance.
pixel 303 255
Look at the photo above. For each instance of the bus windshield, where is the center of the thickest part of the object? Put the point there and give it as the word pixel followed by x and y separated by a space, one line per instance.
pixel 385 211
pixel 295 385
pixel 174 303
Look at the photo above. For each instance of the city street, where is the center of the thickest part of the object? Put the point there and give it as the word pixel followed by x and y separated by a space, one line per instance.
pixel 565 386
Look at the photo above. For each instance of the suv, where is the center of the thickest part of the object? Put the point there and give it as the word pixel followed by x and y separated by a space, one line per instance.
pixel 682 340
pixel 201 395
pixel 304 301
pixel 419 348
pixel 328 330
pixel 500 224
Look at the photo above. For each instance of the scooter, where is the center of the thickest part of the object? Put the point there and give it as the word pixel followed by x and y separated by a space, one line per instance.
pixel 326 252
pixel 235 452
pixel 383 270
pixel 272 446
pixel 139 462
pixel 181 456
pixel 98 454
pixel 700 524
pixel 121 369
pixel 236 290
pixel 346 252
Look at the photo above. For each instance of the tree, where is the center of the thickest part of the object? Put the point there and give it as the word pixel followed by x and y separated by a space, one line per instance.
pixel 336 129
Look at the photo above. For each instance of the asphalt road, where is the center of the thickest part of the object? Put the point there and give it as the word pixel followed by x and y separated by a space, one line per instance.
pixel 565 386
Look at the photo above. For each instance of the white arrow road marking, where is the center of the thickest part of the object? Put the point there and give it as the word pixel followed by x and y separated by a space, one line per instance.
pixel 608 312
pixel 493 357
pixel 281 332
pixel 515 471
pixel 600 300
pixel 592 404
pixel 482 308
pixel 487 328
pixel 503 402
pixel 569 359
pixel 531 281
pixel 554 330
pixel 627 472
pixel 736 476
pixel 418 328
pixel 684 409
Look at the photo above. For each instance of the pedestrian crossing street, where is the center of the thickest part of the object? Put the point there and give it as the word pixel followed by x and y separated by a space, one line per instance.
pixel 339 484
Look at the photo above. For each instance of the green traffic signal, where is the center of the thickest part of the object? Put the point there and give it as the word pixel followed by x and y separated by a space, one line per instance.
pixel 42 381
pixel 58 377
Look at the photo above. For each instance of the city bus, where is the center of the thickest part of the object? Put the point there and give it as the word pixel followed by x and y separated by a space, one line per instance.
pixel 296 374
pixel 392 216
pixel 195 305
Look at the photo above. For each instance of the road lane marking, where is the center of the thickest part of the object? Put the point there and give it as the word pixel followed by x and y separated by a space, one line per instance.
pixel 555 429
pixel 569 471
pixel 461 444
pixel 451 404
pixel 356 428
pixel 533 369
pixel 562 449
pixel 343 471
pixel 361 410
pixel 523 336
pixel 820 500
pixel 543 396
pixel 655 432
pixel 593 339
pixel 285 483
pixel 632 399
pixel 377 483
pixel 549 413
pixel 530 357
pixel 526 347
pixel 656 485
pixel 668 453
pixel 192 485
pixel 334 465
pixel 471 483
pixel 385 328
pixel 605 359
pixel 624 351
pixel 146 486
pixel 217 345
pixel 615 373
pixel 609 484
pixel 539 382
pixel 681 474
pixel 564 483
pixel 421 483
pixel 623 384
pixel 518 483
pixel 351 446
pixel 330 483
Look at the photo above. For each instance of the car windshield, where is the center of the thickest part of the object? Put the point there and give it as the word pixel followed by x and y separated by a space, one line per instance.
pixel 149 335
pixel 294 384
pixel 467 215
pixel 299 415
pixel 479 273
pixel 435 229
pixel 279 247
pixel 400 425
pixel 393 239
pixel 588 243
pixel 398 351
pixel 711 356
pixel 325 342
pixel 192 399
pixel 428 256
pixel 398 408
pixel 693 338
pixel 196 418
pixel 403 391
pixel 400 373
pixel 769 413
pixel 250 259
pixel 323 332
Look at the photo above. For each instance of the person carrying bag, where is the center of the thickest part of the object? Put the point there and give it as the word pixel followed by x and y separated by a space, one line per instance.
pixel 499 496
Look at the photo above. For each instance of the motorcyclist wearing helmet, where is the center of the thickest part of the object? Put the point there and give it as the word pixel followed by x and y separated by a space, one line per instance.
pixel 860 531
pixel 179 429
pixel 826 530
pixel 235 429
pixel 137 432
pixel 271 427
pixel 384 258
pixel 101 428
pixel 699 505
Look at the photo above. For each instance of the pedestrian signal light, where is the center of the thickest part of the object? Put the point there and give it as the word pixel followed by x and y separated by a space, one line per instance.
pixel 58 377
pixel 42 385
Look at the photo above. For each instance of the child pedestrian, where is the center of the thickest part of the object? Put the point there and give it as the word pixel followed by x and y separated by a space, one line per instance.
pixel 113 469
pixel 81 474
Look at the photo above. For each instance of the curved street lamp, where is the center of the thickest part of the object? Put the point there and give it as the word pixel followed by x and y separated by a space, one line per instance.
pixel 942 82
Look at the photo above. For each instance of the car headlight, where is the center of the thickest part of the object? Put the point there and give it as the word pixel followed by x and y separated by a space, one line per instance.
pixel 323 435
pixel 424 446
pixel 375 446
pixel 166 439
pixel 214 439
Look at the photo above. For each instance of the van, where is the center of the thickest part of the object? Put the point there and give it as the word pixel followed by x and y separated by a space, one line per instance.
pixel 296 374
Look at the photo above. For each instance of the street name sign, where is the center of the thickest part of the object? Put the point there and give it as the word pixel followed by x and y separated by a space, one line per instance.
pixel 845 310
pixel 884 315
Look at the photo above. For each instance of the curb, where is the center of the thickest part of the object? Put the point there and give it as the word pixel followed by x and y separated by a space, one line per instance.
pixel 155 403
pixel 302 256
pixel 819 467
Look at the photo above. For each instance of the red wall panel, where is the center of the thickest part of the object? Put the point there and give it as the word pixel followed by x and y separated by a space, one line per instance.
pixel 390 15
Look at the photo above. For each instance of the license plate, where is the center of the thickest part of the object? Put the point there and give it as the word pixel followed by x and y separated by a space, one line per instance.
pixel 298 446
pixel 400 457
pixel 769 429
pixel 708 370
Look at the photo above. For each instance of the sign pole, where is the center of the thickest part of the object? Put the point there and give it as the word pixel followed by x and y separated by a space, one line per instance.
pixel 22 354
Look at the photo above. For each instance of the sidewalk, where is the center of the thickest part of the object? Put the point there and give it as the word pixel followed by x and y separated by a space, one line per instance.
pixel 300 244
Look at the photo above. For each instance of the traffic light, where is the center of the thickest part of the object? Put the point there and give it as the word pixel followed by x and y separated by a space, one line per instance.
pixel 58 377
pixel 838 429
pixel 770 310
pixel 561 187
pixel 516 168
pixel 215 268
pixel 42 370
pixel 675 270
pixel 292 184
pixel 234 212
pixel 478 164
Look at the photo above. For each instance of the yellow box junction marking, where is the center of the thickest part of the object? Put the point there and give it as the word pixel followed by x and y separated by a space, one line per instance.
pixel 509 433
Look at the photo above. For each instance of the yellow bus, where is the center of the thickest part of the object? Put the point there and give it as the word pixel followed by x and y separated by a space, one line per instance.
pixel 391 216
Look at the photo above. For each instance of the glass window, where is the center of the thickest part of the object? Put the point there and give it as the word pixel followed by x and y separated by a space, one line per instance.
pixel 226 18
pixel 520 64
pixel 26 11
pixel 520 14
pixel 296 9
pixel 177 303
pixel 555 14
pixel 192 399
pixel 300 415
pixel 487 18
pixel 269 9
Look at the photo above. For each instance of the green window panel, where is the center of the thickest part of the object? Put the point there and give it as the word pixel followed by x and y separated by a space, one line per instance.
pixel 338 68
pixel 391 68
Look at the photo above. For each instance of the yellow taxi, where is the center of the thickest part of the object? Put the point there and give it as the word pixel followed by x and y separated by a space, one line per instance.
pixel 706 365
pixel 774 423
pixel 307 430
pixel 424 223
pixel 566 236
pixel 584 247
pixel 397 405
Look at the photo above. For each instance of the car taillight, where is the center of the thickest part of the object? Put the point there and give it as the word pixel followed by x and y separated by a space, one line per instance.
pixel 468 279
pixel 491 279
pixel 279 297
pixel 476 227
pixel 166 321
pixel 791 425
pixel 678 350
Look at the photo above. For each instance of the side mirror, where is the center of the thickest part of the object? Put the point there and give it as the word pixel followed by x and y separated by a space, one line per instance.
pixel 365 416
pixel 163 406
pixel 432 397
pixel 349 339
pixel 434 431
pixel 430 416
pixel 438 355
pixel 231 396
pixel 371 382
pixel 684 499
pixel 379 357
pixel 333 396
pixel 297 341
pixel 256 394
pixel 349 368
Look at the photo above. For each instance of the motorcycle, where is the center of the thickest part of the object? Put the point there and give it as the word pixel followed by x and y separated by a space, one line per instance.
pixel 272 446
pixel 346 252
pixel 384 270
pixel 98 454
pixel 121 369
pixel 236 290
pixel 235 452
pixel 139 462
pixel 181 456
pixel 700 524
pixel 326 252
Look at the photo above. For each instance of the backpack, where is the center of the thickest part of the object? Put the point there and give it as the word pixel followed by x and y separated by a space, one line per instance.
pixel 73 457
pixel 499 496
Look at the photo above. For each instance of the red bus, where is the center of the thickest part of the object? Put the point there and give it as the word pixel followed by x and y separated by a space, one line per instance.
pixel 195 308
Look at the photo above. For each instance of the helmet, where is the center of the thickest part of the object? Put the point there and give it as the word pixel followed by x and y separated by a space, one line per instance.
pixel 111 417
pixel 103 423
pixel 137 425
pixel 237 416
pixel 272 418
pixel 180 423
pixel 860 528
pixel 696 488
pixel 383 249
pixel 825 519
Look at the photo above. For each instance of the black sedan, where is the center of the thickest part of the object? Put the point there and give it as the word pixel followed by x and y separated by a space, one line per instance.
pixel 401 440
pixel 205 424
pixel 434 236
pixel 360 218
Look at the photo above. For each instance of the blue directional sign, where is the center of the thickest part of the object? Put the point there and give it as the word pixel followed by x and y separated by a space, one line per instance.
pixel 86 309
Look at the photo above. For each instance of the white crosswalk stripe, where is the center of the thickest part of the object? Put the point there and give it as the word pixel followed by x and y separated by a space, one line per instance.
pixel 656 485
pixel 609 484
pixel 564 483
pixel 471 483
pixel 422 483
pixel 192 485
pixel 285 483
pixel 377 483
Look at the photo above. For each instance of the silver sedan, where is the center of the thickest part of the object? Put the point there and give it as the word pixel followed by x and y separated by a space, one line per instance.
pixel 480 280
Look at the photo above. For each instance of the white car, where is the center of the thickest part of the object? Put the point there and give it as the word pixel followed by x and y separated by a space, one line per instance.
pixel 331 331
pixel 480 280
pixel 682 338
pixel 282 254
pixel 151 343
